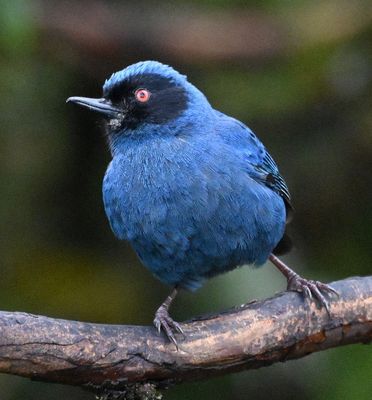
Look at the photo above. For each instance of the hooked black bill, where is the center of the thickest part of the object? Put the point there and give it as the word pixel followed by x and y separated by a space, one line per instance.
pixel 102 105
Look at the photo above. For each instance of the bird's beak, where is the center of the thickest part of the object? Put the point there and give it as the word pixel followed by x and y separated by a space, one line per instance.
pixel 102 106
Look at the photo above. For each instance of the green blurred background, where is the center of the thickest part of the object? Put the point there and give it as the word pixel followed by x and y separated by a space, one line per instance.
pixel 298 73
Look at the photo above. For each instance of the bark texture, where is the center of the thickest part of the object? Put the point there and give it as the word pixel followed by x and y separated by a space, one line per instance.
pixel 111 358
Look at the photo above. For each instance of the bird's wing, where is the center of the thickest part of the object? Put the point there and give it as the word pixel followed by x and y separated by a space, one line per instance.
pixel 266 171
pixel 261 166
pixel 268 174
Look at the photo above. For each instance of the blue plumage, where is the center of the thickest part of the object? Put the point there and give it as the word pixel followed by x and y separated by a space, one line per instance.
pixel 189 194
pixel 194 191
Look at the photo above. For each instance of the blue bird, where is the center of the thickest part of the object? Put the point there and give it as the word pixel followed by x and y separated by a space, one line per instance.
pixel 193 190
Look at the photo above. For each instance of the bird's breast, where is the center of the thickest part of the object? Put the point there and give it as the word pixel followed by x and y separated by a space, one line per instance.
pixel 143 189
pixel 191 207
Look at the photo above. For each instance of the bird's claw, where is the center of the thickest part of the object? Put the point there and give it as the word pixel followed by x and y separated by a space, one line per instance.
pixel 312 289
pixel 163 321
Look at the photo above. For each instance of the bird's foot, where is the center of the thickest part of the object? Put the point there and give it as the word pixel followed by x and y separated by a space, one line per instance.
pixel 311 289
pixel 163 321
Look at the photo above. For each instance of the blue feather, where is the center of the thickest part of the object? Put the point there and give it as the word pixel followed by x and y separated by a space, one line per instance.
pixel 196 196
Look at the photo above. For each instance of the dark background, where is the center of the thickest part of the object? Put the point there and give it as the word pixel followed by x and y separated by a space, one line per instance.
pixel 298 73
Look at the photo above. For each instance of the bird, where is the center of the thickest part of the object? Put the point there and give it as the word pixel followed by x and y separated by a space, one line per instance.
pixel 193 190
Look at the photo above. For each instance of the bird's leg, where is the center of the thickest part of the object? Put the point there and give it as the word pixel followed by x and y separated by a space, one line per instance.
pixel 163 320
pixel 309 288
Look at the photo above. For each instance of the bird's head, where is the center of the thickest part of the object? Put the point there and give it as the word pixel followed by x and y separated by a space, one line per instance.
pixel 144 94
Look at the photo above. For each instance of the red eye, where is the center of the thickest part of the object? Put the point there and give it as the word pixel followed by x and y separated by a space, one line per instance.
pixel 142 95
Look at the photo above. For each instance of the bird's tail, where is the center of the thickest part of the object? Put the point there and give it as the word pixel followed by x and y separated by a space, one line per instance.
pixel 284 246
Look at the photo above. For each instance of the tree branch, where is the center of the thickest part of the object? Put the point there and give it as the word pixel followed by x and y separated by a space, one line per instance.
pixel 111 357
